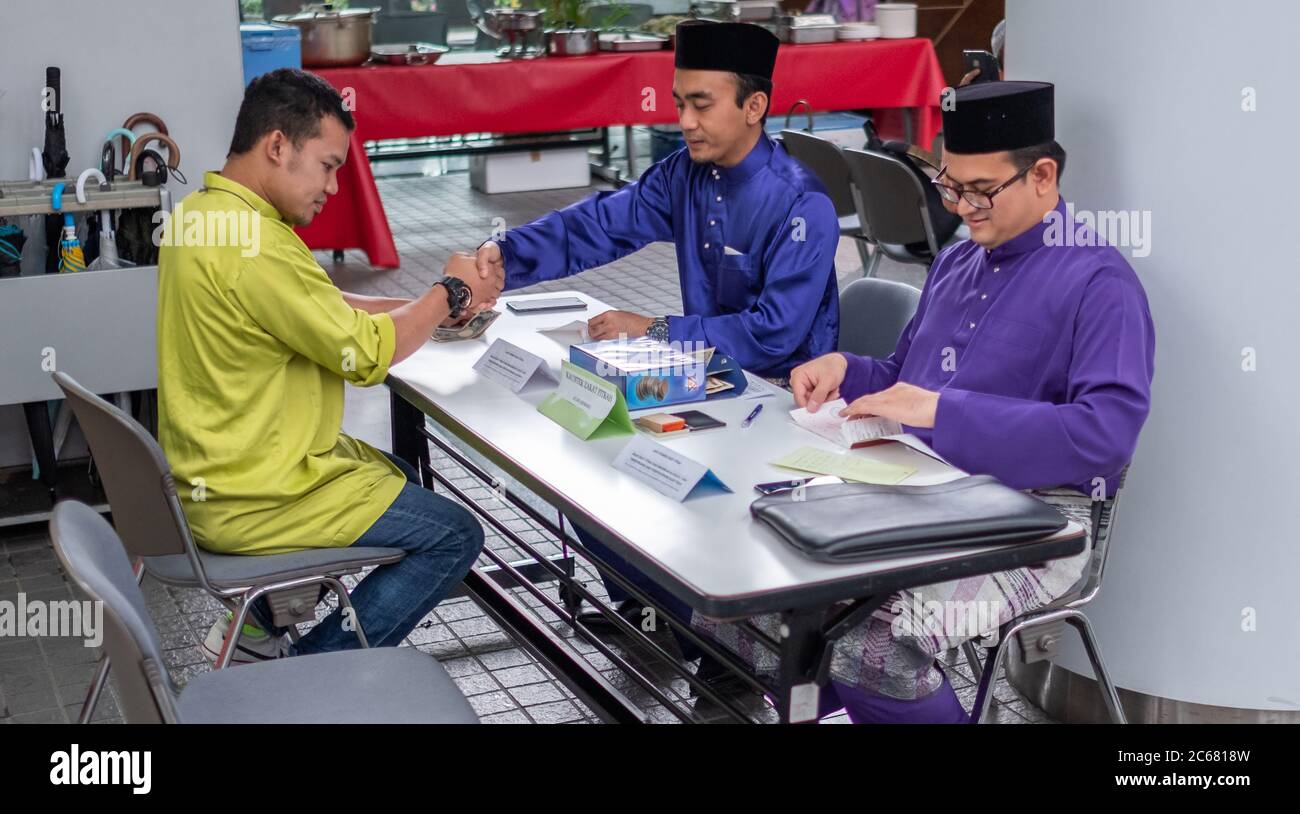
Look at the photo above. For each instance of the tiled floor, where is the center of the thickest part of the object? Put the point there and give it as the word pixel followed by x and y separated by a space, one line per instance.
pixel 44 680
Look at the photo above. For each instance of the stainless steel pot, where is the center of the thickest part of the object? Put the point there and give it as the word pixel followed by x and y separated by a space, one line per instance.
pixel 571 41
pixel 330 38
pixel 501 22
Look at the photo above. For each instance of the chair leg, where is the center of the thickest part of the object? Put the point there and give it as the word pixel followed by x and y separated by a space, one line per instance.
pixel 1108 692
pixel 345 602
pixel 97 683
pixel 93 692
pixel 864 253
pixel 988 678
pixel 869 270
pixel 972 658
pixel 232 633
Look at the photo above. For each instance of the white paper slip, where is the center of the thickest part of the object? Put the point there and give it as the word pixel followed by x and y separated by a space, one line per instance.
pixel 758 388
pixel 849 433
pixel 665 470
pixel 570 333
pixel 513 367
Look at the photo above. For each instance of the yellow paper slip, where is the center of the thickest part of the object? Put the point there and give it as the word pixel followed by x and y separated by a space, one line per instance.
pixel 848 466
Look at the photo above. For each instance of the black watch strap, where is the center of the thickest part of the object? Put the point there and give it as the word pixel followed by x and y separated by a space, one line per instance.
pixel 459 297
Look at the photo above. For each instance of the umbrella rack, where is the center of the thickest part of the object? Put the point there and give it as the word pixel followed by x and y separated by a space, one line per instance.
pixel 27 198
pixel 33 197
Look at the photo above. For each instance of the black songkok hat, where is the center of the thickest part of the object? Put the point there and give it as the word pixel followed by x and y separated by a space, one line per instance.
pixel 991 117
pixel 735 47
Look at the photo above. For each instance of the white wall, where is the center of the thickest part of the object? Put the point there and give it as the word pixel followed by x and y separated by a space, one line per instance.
pixel 180 59
pixel 1149 108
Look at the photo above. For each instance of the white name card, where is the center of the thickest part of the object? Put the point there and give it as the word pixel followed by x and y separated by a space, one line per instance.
pixel 512 366
pixel 665 470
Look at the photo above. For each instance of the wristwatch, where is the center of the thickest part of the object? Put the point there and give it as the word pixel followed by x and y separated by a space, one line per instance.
pixel 658 329
pixel 459 297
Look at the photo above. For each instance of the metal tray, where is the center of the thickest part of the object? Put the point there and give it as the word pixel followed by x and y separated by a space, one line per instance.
pixel 807 34
pixel 627 41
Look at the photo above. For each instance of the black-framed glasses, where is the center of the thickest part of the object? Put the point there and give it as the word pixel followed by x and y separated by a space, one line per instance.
pixel 976 198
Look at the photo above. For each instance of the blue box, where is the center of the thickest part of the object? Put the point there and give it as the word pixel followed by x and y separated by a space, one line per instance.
pixel 267 47
pixel 648 373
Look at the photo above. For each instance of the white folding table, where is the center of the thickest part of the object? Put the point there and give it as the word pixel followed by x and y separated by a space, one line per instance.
pixel 707 551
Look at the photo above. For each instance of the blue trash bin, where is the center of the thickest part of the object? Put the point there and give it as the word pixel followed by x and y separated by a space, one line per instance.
pixel 268 46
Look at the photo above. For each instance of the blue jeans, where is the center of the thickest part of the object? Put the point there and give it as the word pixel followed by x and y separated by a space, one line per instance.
pixel 654 590
pixel 441 538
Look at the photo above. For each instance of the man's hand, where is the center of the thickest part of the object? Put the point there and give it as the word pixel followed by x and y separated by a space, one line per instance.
pixel 969 77
pixel 612 323
pixel 904 403
pixel 491 265
pixel 485 290
pixel 817 382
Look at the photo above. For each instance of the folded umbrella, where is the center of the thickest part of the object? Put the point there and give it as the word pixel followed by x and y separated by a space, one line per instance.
pixel 54 158
pixel 11 250
pixel 71 257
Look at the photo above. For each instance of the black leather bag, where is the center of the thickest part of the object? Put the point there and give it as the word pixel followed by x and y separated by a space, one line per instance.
pixel 852 522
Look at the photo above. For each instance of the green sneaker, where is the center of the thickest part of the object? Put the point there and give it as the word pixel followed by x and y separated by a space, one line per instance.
pixel 254 644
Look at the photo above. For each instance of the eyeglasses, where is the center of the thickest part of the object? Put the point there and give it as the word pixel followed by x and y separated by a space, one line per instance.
pixel 977 199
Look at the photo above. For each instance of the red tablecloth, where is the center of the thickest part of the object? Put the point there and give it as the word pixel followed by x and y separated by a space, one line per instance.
pixel 517 96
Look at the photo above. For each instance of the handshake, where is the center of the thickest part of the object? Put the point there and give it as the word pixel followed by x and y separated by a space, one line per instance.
pixel 484 273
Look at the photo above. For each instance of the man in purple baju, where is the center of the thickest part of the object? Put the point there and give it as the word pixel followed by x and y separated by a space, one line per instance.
pixel 1029 358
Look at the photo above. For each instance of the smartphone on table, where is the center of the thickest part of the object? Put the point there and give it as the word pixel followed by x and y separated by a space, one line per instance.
pixel 547 305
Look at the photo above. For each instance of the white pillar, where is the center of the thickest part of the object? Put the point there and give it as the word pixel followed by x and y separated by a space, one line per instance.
pixel 1152 107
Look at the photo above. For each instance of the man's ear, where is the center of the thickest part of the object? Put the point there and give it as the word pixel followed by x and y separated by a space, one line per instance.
pixel 276 147
pixel 1044 175
pixel 755 107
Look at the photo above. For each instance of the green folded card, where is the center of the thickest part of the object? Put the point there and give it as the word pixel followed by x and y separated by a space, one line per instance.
pixel 587 405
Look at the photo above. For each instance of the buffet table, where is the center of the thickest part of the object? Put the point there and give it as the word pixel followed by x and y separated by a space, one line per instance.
pixel 473 92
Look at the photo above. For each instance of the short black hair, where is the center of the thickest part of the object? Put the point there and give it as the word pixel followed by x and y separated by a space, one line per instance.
pixel 1028 156
pixel 288 100
pixel 747 84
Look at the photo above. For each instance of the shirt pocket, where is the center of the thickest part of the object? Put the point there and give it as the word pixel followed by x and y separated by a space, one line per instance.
pixel 736 281
pixel 1020 346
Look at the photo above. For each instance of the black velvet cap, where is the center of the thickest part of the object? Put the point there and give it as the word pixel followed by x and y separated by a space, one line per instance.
pixel 991 117
pixel 735 47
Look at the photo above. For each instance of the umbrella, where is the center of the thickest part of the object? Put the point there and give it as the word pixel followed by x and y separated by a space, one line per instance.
pixel 108 257
pixel 70 255
pixel 11 250
pixel 54 158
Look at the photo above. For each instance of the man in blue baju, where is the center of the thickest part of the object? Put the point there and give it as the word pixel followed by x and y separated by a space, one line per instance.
pixel 755 231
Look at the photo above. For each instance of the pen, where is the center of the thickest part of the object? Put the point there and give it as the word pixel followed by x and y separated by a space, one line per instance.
pixel 750 418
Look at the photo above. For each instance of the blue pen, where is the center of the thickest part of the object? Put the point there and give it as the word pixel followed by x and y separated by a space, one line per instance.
pixel 750 418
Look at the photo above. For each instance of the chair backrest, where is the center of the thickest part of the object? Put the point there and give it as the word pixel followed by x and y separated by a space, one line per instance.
pixel 135 473
pixel 1103 522
pixel 890 199
pixel 93 556
pixel 873 314
pixel 824 159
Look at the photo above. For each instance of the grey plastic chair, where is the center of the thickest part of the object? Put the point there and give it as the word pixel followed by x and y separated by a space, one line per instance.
pixel 152 525
pixel 825 159
pixel 383 685
pixel 1038 632
pixel 892 207
pixel 873 314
